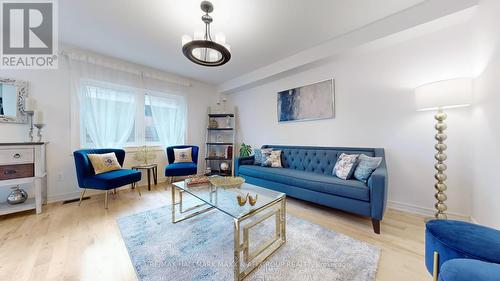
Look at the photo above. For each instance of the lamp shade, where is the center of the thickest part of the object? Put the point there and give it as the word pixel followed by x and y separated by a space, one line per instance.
pixel 444 94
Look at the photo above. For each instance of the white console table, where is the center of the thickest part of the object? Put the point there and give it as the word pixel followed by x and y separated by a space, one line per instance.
pixel 23 163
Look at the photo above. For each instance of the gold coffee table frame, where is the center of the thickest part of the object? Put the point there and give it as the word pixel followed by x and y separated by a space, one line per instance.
pixel 242 223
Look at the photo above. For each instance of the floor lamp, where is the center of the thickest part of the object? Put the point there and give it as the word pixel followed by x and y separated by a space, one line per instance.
pixel 437 97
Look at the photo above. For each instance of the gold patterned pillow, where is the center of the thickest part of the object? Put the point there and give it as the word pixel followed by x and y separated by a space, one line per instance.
pixel 182 155
pixel 104 162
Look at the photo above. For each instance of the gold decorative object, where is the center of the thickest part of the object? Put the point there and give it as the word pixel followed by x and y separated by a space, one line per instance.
pixel 213 124
pixel 252 200
pixel 242 200
pixel 145 154
pixel 226 181
pixel 197 179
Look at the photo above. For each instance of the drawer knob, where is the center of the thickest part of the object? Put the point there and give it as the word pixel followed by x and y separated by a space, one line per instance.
pixel 9 172
pixel 17 156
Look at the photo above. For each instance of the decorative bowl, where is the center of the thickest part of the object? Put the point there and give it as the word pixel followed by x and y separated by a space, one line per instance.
pixel 226 181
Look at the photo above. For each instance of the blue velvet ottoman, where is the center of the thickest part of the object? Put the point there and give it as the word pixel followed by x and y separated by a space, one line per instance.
pixel 447 240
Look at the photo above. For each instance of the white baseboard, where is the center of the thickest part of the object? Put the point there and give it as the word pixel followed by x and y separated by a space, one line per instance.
pixel 76 195
pixel 428 212
pixel 70 196
pixel 62 197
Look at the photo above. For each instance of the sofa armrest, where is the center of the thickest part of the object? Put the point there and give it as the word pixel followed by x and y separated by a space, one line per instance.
pixel 246 160
pixel 378 183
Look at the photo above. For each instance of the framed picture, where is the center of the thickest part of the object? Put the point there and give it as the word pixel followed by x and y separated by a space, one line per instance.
pixel 310 102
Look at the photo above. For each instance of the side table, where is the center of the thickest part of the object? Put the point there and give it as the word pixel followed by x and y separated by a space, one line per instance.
pixel 149 168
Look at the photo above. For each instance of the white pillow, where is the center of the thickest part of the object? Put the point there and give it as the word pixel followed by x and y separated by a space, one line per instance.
pixel 182 155
pixel 345 166
pixel 272 159
pixel 104 162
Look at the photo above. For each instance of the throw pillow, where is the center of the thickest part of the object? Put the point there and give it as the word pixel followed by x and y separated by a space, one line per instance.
pixel 366 166
pixel 257 155
pixel 263 154
pixel 344 168
pixel 272 160
pixel 182 155
pixel 104 162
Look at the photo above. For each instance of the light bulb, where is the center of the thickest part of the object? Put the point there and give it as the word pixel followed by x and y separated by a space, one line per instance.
pixel 213 56
pixel 186 39
pixel 198 35
pixel 220 38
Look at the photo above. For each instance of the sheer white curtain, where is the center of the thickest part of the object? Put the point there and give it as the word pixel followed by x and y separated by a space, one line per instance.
pixel 169 117
pixel 103 121
pixel 107 114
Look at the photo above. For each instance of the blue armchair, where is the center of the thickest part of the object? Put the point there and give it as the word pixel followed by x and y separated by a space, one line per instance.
pixel 87 179
pixel 462 251
pixel 181 169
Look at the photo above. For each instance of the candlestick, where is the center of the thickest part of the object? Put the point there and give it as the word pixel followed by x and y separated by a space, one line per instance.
pixel 39 127
pixel 38 118
pixel 29 105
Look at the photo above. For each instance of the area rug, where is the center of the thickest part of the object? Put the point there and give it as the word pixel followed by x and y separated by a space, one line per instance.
pixel 201 248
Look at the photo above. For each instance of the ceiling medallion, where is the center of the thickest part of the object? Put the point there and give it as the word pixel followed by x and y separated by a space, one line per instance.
pixel 203 50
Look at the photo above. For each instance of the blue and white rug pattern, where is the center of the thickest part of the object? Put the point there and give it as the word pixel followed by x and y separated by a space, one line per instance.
pixel 201 249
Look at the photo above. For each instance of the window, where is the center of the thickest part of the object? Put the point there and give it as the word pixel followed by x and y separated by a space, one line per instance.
pixel 116 116
pixel 150 134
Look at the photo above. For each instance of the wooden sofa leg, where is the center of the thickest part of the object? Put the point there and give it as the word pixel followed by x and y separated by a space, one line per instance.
pixel 376 225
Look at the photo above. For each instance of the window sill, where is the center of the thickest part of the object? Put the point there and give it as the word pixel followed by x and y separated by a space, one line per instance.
pixel 136 148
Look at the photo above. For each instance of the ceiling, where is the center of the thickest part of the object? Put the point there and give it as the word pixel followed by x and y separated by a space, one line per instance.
pixel 260 32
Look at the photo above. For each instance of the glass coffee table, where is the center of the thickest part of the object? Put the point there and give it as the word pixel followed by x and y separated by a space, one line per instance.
pixel 269 203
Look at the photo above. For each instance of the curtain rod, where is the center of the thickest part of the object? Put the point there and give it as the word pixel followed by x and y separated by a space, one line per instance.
pixel 108 63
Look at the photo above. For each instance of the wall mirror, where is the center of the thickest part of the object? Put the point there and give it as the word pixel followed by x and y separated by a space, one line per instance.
pixel 12 97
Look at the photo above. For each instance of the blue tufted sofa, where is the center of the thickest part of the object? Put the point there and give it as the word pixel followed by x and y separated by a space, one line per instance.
pixel 307 175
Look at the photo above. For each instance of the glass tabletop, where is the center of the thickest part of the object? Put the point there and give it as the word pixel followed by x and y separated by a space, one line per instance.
pixel 144 166
pixel 225 199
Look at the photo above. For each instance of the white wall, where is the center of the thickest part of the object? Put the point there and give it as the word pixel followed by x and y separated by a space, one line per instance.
pixel 486 207
pixel 375 107
pixel 51 89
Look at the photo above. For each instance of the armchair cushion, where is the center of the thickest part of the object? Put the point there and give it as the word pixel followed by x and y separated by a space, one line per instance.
pixel 180 169
pixel 312 181
pixel 113 179
pixel 468 269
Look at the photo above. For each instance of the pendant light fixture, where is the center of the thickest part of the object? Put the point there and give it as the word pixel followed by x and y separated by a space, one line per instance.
pixel 203 50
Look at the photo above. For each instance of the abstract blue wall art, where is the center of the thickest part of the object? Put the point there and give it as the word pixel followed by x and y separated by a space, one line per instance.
pixel 310 102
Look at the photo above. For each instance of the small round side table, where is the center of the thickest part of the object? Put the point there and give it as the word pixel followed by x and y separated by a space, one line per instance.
pixel 149 168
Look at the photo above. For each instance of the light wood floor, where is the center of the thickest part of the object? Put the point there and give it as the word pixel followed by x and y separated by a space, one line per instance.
pixel 67 242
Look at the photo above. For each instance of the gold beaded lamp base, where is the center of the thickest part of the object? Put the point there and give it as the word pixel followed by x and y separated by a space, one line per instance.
pixel 440 166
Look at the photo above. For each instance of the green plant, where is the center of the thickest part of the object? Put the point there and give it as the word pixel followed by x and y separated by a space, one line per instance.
pixel 245 150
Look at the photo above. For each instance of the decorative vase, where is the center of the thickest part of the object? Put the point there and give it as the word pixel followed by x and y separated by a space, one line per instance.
pixel 213 124
pixel 224 166
pixel 17 196
pixel 145 154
